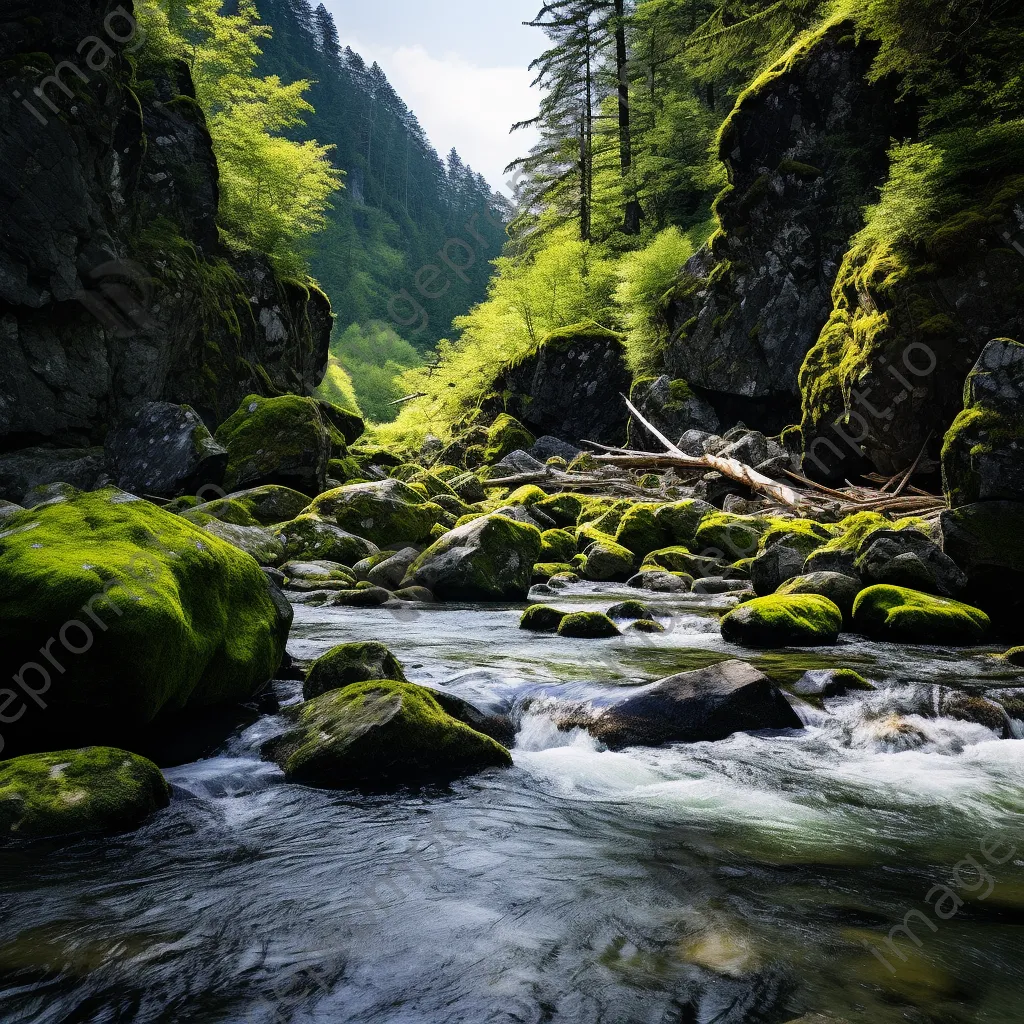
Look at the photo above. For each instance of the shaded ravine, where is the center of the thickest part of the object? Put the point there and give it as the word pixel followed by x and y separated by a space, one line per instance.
pixel 728 882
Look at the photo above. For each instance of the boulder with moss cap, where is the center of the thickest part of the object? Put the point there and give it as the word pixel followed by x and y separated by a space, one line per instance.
pixel 312 538
pixel 801 620
pixel 841 590
pixel 70 792
pixel 587 626
pixel 383 512
pixel 380 732
pixel 907 616
pixel 608 561
pixel 351 663
pixel 276 441
pixel 164 617
pixel 489 559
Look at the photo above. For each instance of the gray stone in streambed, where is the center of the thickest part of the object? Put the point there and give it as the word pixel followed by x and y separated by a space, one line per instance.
pixel 707 704
pixel 8 509
pixel 830 682
pixel 549 447
pixel 905 558
pixel 371 597
pixel 165 450
pixel 317 575
pixel 414 595
pixel 630 610
pixel 24 470
pixel 661 582
pixel 498 727
pixel 770 569
pixel 256 541
pixel 840 589
pixel 390 572
pixel 721 585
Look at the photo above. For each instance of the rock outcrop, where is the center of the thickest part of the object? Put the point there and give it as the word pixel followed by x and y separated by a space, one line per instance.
pixel 114 289
pixel 805 150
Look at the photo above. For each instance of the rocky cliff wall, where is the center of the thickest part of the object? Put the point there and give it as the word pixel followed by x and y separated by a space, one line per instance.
pixel 114 287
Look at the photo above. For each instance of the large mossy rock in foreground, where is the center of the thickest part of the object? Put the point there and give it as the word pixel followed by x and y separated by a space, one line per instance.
pixel 798 620
pixel 385 512
pixel 907 616
pixel 276 441
pixel 488 559
pixel 143 612
pixel 67 792
pixel 351 663
pixel 707 704
pixel 380 732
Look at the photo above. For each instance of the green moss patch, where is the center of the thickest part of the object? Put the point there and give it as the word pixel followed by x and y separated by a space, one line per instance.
pixel 541 619
pixel 783 621
pixel 588 626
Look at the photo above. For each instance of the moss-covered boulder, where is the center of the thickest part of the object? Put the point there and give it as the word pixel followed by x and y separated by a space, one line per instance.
pixel 660 581
pixel 557 546
pixel 563 509
pixel 679 559
pixel 68 792
pixel 380 732
pixel 784 549
pixel 641 531
pixel 541 619
pixel 312 538
pixel 588 626
pixel 528 494
pixel 630 610
pixel 841 590
pixel 681 520
pixel 143 612
pixel 646 626
pixel 544 571
pixel 276 441
pixel 256 541
pixel 830 682
pixel 607 561
pixel 351 663
pixel 907 616
pixel 257 506
pixel 784 621
pixel 383 512
pixel 851 537
pixel 317 575
pixel 505 436
pixel 489 559
pixel 1015 656
pixel 723 535
pixel 349 424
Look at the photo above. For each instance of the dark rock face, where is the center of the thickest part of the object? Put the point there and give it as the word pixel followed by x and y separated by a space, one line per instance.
pixel 165 451
pixel 672 407
pixel 983 456
pixel 571 388
pixel 903 558
pixel 114 290
pixel 708 704
pixel 805 153
pixel 22 471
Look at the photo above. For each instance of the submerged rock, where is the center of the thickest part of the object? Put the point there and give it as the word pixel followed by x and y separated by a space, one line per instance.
pixel 489 559
pixel 784 621
pixel 143 611
pixel 165 450
pixel 380 732
pixel 351 663
pixel 707 704
pixel 276 441
pixel 907 616
pixel 68 792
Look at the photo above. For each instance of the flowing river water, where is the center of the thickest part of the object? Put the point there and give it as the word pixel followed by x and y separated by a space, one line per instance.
pixel 748 880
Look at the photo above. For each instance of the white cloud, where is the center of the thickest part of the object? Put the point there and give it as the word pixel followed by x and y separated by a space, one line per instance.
pixel 462 105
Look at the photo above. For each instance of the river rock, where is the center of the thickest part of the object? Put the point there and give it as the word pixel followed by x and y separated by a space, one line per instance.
pixel 830 682
pixel 165 450
pixel 267 505
pixel 630 610
pixel 276 441
pixel 607 560
pixel 380 732
pixel 82 468
pixel 904 558
pixel 488 559
pixel 707 704
pixel 165 617
pixel 351 663
pixel 907 616
pixel 312 538
pixel 548 447
pixel 841 590
pixel 69 792
pixel 721 585
pixel 390 572
pixel 587 626
pixel 784 621
pixel 317 575
pixel 383 512
pixel 256 541
pixel 661 582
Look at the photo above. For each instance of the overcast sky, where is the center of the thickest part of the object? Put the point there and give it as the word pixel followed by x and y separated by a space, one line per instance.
pixel 460 65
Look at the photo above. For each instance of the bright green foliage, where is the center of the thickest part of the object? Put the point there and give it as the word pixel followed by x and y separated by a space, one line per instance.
pixel 908 616
pixel 96 789
pixel 541 619
pixel 274 191
pixel 783 621
pixel 177 618
pixel 351 663
pixel 374 357
pixel 380 731
pixel 588 626
pixel 337 386
pixel 505 436
pixel 558 546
